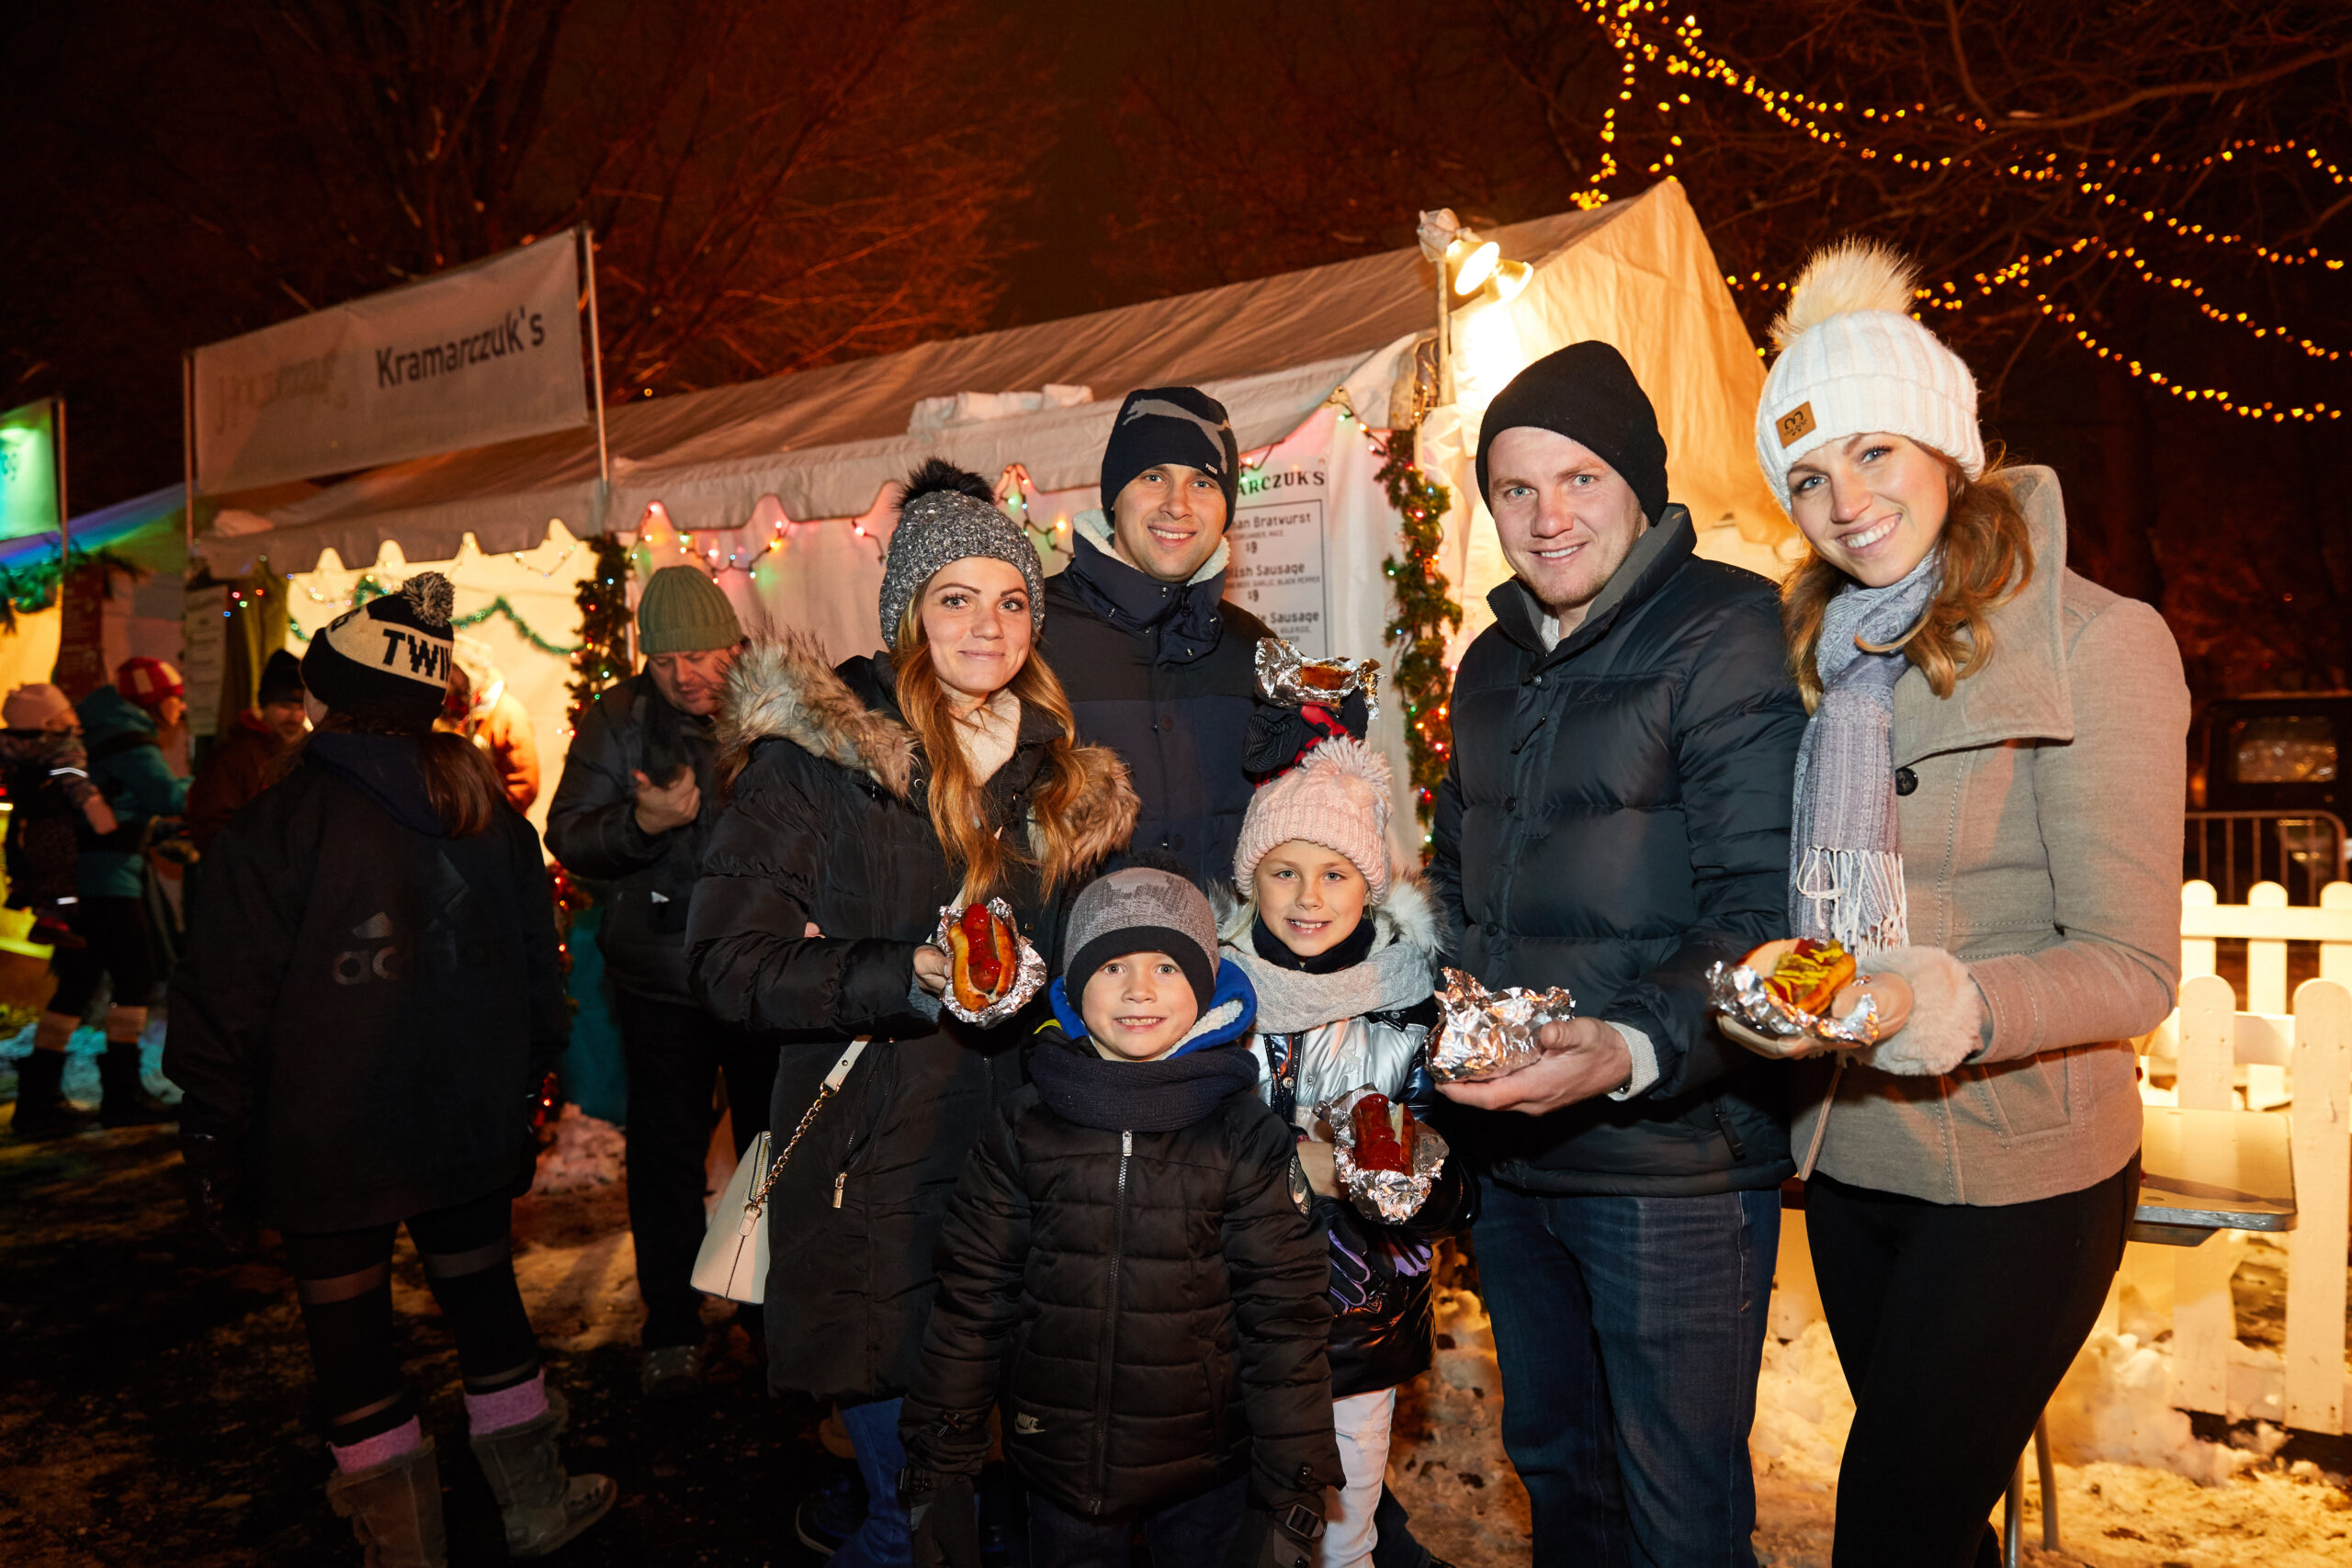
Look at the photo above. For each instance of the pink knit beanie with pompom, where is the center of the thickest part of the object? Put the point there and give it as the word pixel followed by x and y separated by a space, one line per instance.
pixel 1337 797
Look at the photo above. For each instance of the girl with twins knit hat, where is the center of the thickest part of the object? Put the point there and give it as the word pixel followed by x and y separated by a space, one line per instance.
pixel 367 1010
pixel 1343 950
pixel 1988 813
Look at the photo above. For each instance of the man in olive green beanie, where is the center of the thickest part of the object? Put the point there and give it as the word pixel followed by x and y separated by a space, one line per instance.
pixel 630 818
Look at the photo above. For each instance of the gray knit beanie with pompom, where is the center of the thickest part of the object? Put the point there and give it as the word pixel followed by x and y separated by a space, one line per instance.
pixel 948 514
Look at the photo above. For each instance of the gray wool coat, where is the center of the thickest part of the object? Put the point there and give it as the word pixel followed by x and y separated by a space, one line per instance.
pixel 2041 846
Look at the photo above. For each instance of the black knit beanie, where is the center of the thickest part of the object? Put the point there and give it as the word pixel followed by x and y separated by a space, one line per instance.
pixel 281 680
pixel 1170 424
pixel 388 659
pixel 1586 393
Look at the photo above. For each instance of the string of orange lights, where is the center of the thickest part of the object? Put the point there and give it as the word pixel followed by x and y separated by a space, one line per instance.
pixel 1690 58
pixel 1620 22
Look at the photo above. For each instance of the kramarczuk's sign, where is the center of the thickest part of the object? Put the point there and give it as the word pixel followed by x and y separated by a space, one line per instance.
pixel 486 353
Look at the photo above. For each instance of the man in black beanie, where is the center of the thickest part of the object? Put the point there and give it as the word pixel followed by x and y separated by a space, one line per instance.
pixel 238 766
pixel 1624 735
pixel 1157 666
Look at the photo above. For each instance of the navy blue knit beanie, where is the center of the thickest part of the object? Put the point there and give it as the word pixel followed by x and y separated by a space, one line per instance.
pixel 1170 424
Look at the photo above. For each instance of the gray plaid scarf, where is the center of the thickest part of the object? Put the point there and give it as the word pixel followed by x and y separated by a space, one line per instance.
pixel 1845 854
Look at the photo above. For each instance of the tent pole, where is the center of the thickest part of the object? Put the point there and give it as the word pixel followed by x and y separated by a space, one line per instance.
pixel 1444 338
pixel 187 449
pixel 64 512
pixel 597 375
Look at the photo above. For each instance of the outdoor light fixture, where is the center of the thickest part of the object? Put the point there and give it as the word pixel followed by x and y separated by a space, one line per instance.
pixel 1509 277
pixel 1471 275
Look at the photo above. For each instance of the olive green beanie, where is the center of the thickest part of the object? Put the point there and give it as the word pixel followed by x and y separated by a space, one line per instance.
pixel 682 611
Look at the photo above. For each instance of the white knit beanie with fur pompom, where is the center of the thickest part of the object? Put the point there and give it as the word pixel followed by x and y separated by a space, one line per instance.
pixel 1853 360
pixel 1337 797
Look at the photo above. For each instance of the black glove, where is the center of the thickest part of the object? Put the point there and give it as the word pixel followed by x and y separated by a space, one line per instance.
pixel 1277 1537
pixel 942 1519
pixel 216 1181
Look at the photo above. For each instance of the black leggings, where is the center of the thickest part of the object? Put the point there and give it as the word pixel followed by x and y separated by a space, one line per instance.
pixel 1954 1325
pixel 120 946
pixel 343 1279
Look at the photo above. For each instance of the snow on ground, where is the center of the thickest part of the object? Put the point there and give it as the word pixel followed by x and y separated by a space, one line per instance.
pixel 586 1153
pixel 2136 1487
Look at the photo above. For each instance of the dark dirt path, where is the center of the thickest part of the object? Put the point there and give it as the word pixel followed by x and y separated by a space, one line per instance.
pixel 157 1404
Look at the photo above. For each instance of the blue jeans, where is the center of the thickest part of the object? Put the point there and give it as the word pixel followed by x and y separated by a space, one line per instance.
pixel 1191 1532
pixel 1631 1331
pixel 882 1541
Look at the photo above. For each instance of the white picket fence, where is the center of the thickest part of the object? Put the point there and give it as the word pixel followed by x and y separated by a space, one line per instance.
pixel 2260 1057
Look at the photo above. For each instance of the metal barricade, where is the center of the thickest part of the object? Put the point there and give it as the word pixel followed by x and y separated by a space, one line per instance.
pixel 2301 850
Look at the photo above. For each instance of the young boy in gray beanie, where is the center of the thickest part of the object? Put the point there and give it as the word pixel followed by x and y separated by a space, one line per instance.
pixel 1129 1262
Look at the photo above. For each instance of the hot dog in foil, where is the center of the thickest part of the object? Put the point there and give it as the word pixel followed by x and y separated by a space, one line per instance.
pixel 1389 1197
pixel 1483 1033
pixel 1291 678
pixel 1740 994
pixel 1027 981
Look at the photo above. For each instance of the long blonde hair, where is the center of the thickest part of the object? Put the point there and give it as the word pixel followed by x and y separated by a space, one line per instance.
pixel 1988 559
pixel 958 799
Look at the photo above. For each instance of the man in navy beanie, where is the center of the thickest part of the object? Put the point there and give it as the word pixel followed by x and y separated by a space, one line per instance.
pixel 1157 666
pixel 1616 818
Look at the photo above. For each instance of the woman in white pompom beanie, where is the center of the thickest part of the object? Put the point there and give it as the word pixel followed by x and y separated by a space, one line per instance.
pixel 1988 808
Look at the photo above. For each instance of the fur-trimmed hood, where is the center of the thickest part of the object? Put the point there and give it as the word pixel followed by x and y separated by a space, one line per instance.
pixel 782 688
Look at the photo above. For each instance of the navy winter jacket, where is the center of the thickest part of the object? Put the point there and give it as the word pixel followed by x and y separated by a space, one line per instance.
pixel 1165 675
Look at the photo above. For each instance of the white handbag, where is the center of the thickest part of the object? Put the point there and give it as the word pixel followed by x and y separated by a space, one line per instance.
pixel 733 1261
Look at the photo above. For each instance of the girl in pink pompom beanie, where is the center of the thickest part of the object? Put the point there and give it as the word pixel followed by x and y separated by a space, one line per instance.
pixel 1342 951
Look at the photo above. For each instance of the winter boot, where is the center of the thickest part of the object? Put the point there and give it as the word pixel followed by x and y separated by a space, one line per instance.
pixel 124 1100
pixel 395 1510
pixel 43 1110
pixel 542 1507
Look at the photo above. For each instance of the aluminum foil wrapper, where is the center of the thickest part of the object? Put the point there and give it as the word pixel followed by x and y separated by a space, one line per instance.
pixel 1739 993
pixel 1390 1197
pixel 1027 980
pixel 1288 677
pixel 1483 1033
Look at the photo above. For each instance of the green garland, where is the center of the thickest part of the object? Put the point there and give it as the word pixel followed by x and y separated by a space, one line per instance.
pixel 602 657
pixel 28 589
pixel 1426 612
pixel 369 588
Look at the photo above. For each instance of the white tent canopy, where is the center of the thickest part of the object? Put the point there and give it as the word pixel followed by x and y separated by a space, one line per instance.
pixel 777 488
pixel 822 442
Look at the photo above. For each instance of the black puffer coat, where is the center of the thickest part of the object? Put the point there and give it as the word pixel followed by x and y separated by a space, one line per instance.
pixel 366 1004
pixel 1150 1303
pixel 828 824
pixel 643 881
pixel 1615 820
pixel 1165 674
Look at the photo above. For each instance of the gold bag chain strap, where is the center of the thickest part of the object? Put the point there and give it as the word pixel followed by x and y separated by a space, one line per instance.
pixel 831 1086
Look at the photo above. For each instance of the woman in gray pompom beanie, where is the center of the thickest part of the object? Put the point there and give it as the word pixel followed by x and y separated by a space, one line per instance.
pixel 865 795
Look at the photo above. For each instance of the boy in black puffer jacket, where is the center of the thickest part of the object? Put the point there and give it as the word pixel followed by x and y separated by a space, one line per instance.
pixel 1129 1262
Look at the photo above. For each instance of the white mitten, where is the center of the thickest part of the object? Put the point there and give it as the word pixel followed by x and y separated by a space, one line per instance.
pixel 1947 1015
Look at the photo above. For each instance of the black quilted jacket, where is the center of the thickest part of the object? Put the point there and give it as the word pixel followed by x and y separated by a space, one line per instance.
pixel 1150 1303
pixel 826 826
pixel 1616 819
